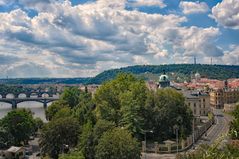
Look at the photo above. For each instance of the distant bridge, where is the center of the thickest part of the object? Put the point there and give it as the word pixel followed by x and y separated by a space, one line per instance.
pixel 28 94
pixel 15 101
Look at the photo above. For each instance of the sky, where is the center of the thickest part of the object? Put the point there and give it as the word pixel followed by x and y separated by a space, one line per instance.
pixel 81 38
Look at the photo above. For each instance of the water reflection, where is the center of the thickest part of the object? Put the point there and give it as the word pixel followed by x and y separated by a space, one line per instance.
pixel 36 107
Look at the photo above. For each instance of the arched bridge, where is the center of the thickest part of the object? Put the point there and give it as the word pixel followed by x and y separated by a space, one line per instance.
pixel 15 101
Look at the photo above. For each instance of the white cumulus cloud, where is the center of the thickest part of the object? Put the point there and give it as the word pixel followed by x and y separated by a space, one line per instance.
pixel 149 3
pixel 85 39
pixel 226 13
pixel 193 7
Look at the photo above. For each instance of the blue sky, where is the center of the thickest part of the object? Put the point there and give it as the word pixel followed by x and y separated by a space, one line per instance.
pixel 81 38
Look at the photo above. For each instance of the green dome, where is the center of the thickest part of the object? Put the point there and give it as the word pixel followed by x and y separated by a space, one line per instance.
pixel 163 78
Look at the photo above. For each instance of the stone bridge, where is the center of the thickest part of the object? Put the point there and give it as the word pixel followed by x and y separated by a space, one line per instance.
pixel 28 94
pixel 20 96
pixel 15 101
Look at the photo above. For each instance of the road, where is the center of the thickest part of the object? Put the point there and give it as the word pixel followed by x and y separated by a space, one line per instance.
pixel 219 129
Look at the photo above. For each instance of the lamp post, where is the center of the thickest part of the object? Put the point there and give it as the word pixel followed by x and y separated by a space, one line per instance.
pixel 175 127
pixel 193 130
pixel 145 132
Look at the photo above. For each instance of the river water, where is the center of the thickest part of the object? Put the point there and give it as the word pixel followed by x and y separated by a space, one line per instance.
pixel 36 107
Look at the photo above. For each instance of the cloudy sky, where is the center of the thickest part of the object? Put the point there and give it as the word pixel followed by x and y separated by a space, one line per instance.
pixel 79 38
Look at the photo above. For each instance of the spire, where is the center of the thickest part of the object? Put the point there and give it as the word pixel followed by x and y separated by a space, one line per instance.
pixel 195 60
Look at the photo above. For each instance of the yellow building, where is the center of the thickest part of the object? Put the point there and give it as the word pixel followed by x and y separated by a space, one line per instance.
pixel 223 96
pixel 198 102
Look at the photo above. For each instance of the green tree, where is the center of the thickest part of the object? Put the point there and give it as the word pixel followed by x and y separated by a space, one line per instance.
pixel 20 124
pixel 54 108
pixel 84 110
pixel 62 113
pixel 133 108
pixel 90 136
pixel 166 108
pixel 122 101
pixel 234 125
pixel 86 144
pixel 38 124
pixel 71 96
pixel 57 133
pixel 118 144
pixel 6 139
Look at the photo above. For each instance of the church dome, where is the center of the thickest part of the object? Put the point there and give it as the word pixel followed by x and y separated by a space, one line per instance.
pixel 197 76
pixel 163 78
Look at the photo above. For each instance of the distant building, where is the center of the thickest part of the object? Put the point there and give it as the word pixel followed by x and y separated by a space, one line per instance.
pixel 197 77
pixel 223 96
pixel 230 107
pixel 15 152
pixel 164 81
pixel 198 102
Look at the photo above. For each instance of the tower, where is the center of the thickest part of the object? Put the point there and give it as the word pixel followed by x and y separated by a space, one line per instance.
pixel 195 60
pixel 164 80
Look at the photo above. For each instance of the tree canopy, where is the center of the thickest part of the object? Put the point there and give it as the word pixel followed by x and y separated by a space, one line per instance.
pixel 118 144
pixel 57 133
pixel 20 124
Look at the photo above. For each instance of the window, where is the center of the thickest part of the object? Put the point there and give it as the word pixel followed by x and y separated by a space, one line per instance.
pixel 194 105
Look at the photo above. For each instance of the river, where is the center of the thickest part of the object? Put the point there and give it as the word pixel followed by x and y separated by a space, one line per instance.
pixel 36 107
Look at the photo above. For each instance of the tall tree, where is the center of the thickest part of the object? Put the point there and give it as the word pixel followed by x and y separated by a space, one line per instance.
pixel 71 96
pixel 167 109
pixel 52 110
pixel 57 133
pixel 118 144
pixel 20 124
pixel 122 101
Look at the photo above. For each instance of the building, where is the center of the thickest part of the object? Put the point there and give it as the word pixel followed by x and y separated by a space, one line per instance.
pixel 198 102
pixel 164 81
pixel 15 152
pixel 230 107
pixel 220 97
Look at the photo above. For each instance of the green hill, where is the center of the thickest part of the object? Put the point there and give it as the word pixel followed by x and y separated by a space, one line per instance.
pixel 183 71
pixel 180 72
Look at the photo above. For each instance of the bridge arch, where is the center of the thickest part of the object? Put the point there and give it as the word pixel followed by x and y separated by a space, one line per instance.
pixel 34 94
pixel 10 96
pixel 45 95
pixel 22 95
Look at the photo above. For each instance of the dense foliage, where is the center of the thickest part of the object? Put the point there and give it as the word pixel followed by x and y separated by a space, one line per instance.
pixel 234 126
pixel 167 106
pixel 58 133
pixel 114 120
pixel 128 103
pixel 20 124
pixel 210 71
pixel 118 144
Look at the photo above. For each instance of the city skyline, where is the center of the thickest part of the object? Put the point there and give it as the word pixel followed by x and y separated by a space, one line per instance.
pixel 81 38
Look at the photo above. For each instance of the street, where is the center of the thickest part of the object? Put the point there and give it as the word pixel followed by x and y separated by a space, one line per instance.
pixel 219 129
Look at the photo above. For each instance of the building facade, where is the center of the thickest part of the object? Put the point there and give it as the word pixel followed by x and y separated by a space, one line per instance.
pixel 198 102
pixel 223 96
